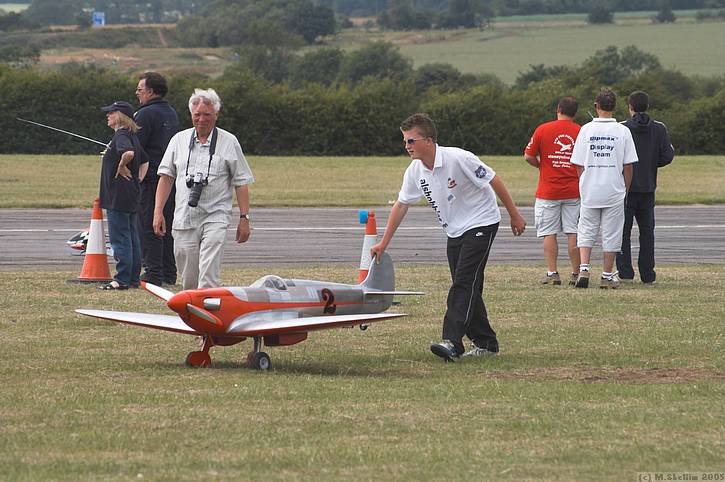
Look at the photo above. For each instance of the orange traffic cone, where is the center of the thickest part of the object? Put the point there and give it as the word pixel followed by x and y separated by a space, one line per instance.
pixel 371 237
pixel 95 263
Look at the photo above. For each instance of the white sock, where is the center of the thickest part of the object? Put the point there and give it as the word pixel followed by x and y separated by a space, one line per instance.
pixel 551 273
pixel 583 267
pixel 607 275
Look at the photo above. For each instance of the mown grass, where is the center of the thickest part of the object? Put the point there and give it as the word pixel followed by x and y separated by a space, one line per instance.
pixel 590 385
pixel 45 181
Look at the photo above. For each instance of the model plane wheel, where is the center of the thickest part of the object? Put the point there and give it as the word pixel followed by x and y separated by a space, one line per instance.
pixel 261 361
pixel 198 359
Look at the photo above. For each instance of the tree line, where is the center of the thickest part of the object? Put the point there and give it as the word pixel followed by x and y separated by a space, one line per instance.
pixel 352 103
pixel 390 13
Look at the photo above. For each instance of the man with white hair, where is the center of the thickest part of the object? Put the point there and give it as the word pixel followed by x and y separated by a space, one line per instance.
pixel 206 164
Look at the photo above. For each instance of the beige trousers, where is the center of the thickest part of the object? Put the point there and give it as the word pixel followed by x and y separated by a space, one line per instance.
pixel 198 255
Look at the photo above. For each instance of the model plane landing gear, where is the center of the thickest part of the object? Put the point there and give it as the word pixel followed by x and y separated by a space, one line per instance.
pixel 257 358
pixel 200 359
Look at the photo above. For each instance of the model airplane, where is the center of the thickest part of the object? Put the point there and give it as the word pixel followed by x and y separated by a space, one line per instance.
pixel 79 242
pixel 272 311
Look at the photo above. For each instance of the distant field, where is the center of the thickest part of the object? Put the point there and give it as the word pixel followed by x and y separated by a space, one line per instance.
pixel 13 7
pixel 129 60
pixel 326 181
pixel 510 48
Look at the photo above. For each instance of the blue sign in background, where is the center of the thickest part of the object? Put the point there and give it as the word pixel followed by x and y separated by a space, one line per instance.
pixel 99 19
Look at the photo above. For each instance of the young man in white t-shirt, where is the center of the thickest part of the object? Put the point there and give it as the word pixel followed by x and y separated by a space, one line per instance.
pixel 603 153
pixel 462 191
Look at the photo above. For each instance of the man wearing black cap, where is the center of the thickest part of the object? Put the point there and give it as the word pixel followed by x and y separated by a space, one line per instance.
pixel 158 123
pixel 123 164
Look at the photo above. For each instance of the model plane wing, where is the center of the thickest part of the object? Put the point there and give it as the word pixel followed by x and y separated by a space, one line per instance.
pixel 393 293
pixel 256 327
pixel 160 322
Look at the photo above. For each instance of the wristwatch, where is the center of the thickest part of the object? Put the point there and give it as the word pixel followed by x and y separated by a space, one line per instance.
pixel 244 216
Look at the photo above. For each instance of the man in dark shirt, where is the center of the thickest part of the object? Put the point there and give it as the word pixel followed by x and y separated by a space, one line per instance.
pixel 654 150
pixel 159 122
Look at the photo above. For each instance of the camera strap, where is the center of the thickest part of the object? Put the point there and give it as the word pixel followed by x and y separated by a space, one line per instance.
pixel 212 149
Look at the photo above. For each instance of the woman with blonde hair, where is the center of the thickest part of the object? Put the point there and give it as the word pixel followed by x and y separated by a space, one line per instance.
pixel 123 166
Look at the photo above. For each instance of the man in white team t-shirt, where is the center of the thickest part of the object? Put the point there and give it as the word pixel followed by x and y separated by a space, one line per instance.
pixel 462 192
pixel 603 153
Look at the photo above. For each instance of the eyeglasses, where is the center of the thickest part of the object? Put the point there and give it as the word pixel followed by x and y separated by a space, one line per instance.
pixel 412 141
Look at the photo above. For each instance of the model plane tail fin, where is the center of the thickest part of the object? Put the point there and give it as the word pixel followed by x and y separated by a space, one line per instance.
pixel 381 274
pixel 381 279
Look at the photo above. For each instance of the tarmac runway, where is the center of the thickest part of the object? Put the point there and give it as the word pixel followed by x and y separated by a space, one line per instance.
pixel 36 238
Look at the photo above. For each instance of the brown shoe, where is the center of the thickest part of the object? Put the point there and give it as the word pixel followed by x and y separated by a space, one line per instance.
pixel 582 281
pixel 572 279
pixel 551 279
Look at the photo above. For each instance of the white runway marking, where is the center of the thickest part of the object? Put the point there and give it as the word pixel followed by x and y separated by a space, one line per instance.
pixel 356 228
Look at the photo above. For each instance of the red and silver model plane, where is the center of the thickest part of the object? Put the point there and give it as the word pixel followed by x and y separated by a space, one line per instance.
pixel 272 311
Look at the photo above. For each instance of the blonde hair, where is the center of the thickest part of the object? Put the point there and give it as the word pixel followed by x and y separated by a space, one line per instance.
pixel 127 123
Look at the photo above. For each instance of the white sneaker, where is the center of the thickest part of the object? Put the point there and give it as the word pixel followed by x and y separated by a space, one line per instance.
pixel 610 282
pixel 445 350
pixel 478 351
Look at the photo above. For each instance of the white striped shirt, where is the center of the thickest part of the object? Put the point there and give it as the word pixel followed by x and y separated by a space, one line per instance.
pixel 228 169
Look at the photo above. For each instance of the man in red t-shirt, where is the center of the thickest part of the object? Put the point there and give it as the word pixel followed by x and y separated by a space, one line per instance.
pixel 557 195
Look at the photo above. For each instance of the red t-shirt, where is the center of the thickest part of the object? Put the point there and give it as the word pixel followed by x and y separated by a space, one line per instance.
pixel 553 142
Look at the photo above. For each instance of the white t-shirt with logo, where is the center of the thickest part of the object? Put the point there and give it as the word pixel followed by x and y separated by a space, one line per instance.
pixel 457 189
pixel 603 147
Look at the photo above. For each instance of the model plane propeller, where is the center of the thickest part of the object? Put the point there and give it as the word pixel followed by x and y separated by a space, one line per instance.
pixel 272 311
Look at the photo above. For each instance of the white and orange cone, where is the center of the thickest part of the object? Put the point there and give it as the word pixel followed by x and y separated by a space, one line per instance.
pixel 95 263
pixel 371 237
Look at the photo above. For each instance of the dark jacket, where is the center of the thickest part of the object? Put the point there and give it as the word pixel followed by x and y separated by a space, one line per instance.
pixel 654 150
pixel 118 193
pixel 159 122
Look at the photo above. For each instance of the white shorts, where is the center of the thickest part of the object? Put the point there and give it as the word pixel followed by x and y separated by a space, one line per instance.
pixel 609 220
pixel 556 216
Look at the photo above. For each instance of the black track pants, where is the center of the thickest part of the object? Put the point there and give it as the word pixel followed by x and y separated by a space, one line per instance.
pixel 466 313
pixel 639 206
pixel 158 253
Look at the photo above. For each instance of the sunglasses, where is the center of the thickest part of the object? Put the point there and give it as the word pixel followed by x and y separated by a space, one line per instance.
pixel 412 141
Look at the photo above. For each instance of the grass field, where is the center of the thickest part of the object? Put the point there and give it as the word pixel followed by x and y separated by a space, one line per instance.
pixel 13 7
pixel 590 385
pixel 507 51
pixel 30 181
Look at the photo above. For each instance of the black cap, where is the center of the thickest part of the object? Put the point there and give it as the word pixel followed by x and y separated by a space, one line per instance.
pixel 119 106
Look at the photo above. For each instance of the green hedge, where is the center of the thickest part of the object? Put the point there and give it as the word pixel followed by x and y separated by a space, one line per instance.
pixel 337 120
